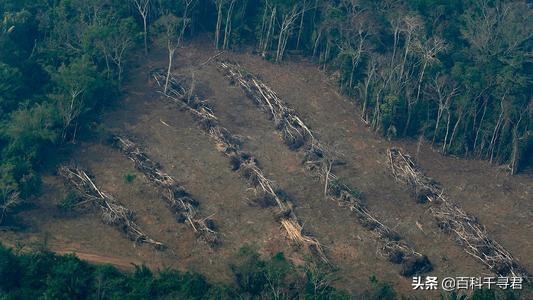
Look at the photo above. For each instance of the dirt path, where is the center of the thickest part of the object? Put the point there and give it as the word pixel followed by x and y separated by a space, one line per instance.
pixel 122 263
pixel 119 262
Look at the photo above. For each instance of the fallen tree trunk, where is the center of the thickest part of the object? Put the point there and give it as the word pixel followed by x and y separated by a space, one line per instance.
pixel 178 200
pixel 292 129
pixel 452 219
pixel 243 162
pixel 318 161
pixel 113 213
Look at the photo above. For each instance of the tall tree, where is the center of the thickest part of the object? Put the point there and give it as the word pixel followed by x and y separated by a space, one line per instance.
pixel 75 85
pixel 171 34
pixel 143 7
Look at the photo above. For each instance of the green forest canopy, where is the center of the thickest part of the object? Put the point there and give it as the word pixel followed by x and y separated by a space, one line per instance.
pixel 455 72
pixel 44 275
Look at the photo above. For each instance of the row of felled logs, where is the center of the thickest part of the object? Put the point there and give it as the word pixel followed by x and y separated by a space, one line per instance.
pixel 452 219
pixel 244 163
pixel 113 213
pixel 296 134
pixel 178 200
pixel 293 130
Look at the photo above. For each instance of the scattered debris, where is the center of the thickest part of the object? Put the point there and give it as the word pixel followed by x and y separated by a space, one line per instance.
pixel 319 162
pixel 240 161
pixel 113 213
pixel 178 200
pixel 292 129
pixel 452 219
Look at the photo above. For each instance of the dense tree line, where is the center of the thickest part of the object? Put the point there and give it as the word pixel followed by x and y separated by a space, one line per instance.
pixel 44 275
pixel 455 72
pixel 60 61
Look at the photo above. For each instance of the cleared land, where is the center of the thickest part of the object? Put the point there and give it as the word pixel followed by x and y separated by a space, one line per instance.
pixel 171 137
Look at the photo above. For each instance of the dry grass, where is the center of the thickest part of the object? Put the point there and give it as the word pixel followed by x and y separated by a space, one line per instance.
pixel 319 161
pixel 228 144
pixel 451 218
pixel 113 213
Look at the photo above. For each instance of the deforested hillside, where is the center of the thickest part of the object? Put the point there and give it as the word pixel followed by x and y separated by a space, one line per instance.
pixel 266 149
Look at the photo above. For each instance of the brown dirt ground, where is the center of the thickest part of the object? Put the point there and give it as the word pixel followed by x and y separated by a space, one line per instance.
pixel 503 203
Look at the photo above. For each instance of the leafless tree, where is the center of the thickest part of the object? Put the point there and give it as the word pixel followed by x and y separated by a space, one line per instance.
pixel 227 27
pixel 285 31
pixel 143 7
pixel 411 27
pixel 9 198
pixel 354 47
pixel 428 52
pixel 442 90
pixel 185 18
pixel 305 6
pixel 267 40
pixel 219 4
pixel 169 26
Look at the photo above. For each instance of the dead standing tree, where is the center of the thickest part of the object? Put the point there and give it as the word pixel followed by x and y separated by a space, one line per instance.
pixel 269 16
pixel 113 213
pixel 354 48
pixel 178 200
pixel 452 219
pixel 228 25
pixel 142 7
pixel 443 91
pixel 219 5
pixel 173 30
pixel 169 25
pixel 286 28
pixel 428 52
pixel 121 39
pixel 9 199
pixel 295 133
pixel 243 162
